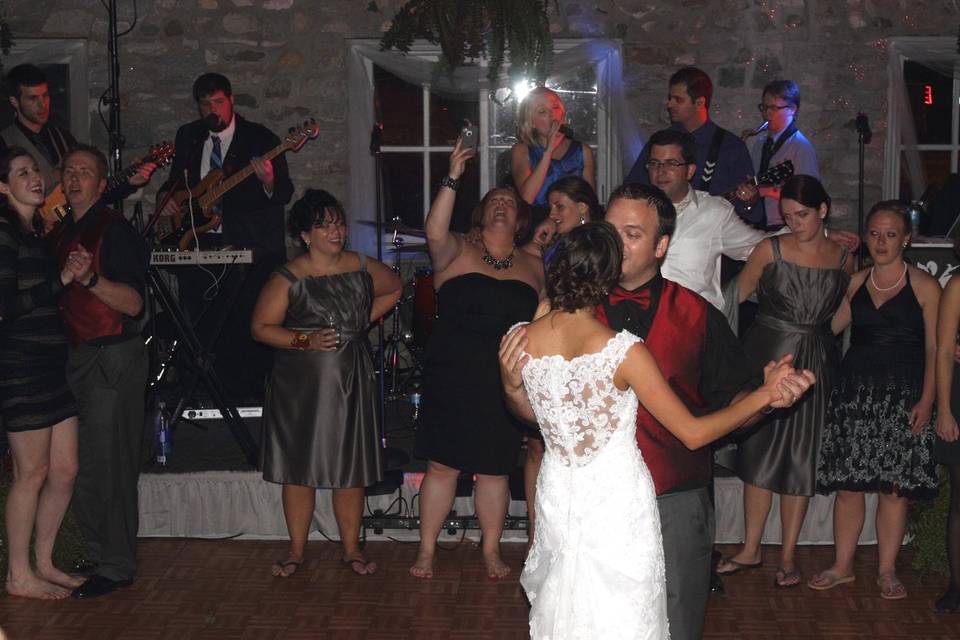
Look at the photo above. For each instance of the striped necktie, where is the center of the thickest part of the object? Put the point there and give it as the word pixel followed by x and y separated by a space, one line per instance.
pixel 216 158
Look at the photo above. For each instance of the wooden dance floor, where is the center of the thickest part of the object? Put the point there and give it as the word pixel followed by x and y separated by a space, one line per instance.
pixel 199 590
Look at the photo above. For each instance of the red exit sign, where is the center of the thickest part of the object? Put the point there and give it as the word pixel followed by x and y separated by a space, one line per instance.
pixel 928 94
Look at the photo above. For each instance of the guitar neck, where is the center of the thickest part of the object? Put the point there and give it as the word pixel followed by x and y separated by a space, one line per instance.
pixel 117 182
pixel 214 194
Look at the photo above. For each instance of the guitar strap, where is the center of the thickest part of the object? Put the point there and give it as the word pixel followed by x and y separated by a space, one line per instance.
pixel 12 136
pixel 713 155
pixel 786 135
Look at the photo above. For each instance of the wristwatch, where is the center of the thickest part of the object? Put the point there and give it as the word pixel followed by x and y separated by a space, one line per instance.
pixel 450 183
pixel 92 282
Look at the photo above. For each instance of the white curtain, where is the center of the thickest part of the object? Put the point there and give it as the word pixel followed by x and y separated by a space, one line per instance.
pixel 625 138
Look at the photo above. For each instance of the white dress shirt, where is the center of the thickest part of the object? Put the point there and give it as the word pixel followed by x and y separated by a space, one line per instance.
pixel 226 137
pixel 707 227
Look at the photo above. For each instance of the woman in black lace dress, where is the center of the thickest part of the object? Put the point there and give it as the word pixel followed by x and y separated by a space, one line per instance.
pixel 878 436
pixel 37 408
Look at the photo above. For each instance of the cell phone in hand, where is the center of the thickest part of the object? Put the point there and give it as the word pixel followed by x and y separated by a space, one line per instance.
pixel 469 135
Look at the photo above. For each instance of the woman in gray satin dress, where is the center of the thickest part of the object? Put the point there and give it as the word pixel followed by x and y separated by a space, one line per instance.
pixel 319 419
pixel 800 280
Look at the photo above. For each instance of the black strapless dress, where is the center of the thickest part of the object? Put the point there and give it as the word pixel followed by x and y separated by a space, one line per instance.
pixel 464 422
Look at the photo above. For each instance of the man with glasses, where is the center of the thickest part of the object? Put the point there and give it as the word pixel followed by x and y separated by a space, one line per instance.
pixel 782 141
pixel 722 161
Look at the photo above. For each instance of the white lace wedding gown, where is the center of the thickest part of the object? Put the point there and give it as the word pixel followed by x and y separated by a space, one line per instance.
pixel 595 571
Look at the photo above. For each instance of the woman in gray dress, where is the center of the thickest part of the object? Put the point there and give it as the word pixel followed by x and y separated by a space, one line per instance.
pixel 319 419
pixel 800 280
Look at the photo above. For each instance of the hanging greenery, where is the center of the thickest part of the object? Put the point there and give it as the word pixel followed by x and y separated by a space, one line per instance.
pixel 481 28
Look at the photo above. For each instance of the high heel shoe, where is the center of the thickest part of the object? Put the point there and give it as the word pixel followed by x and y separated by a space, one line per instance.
pixel 949 602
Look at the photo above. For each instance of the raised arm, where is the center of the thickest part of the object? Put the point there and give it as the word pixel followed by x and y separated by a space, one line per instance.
pixel 782 387
pixel 386 288
pixel 948 321
pixel 529 180
pixel 443 244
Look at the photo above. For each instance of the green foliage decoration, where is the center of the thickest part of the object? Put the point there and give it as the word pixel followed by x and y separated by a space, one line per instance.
pixel 479 28
pixel 928 527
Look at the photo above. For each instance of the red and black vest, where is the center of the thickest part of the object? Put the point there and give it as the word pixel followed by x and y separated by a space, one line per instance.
pixel 676 341
pixel 85 316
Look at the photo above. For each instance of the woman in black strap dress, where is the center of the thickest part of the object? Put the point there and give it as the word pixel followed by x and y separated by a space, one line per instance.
pixel 38 411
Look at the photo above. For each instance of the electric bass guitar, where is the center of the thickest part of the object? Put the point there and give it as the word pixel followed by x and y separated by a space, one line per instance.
pixel 197 210
pixel 775 175
pixel 55 207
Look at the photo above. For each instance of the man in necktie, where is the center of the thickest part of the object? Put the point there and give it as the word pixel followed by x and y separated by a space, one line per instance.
pixel 705 365
pixel 780 142
pixel 251 217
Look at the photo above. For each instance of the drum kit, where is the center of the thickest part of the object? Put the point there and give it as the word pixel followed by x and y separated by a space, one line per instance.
pixel 403 371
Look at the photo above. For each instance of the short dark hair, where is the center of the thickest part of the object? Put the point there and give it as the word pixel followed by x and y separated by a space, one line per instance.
pixel 786 89
pixel 210 83
pixel 653 196
pixel 683 139
pixel 586 265
pixel 579 191
pixel 523 209
pixel 310 210
pixel 895 207
pixel 102 165
pixel 806 190
pixel 23 75
pixel 698 83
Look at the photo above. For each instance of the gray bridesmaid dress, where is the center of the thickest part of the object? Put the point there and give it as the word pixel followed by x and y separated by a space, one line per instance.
pixel 796 304
pixel 320 425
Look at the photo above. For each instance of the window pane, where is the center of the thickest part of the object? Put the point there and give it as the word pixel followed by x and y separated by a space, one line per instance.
pixel 399 106
pixel 403 187
pixel 931 102
pixel 447 118
pixel 469 192
pixel 936 166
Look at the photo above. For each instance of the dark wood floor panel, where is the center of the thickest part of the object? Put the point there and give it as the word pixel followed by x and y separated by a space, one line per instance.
pixel 219 590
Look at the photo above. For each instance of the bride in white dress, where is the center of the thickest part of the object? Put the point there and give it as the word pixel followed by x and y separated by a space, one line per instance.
pixel 595 570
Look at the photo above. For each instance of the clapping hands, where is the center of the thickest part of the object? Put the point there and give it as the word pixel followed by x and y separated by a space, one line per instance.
pixel 785 384
pixel 78 267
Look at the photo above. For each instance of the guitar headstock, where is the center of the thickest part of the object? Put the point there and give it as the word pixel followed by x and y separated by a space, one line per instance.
pixel 298 136
pixel 777 173
pixel 162 153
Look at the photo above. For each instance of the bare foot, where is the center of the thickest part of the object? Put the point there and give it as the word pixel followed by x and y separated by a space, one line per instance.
pixel 496 568
pixel 423 565
pixel 34 587
pixel 53 575
pixel 286 568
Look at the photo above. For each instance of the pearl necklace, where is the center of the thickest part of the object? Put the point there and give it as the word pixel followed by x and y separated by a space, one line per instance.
pixel 496 263
pixel 894 285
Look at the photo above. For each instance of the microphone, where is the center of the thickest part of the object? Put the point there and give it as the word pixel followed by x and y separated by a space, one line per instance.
pixel 863 127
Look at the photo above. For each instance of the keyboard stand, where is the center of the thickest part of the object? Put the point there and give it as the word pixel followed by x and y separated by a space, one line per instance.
pixel 202 363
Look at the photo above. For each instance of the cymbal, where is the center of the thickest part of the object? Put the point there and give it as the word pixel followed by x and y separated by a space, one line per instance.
pixel 389 226
pixel 420 247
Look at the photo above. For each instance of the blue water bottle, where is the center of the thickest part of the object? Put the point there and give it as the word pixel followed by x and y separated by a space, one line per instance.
pixel 163 434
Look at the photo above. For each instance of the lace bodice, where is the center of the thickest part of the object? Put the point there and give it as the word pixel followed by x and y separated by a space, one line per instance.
pixel 576 403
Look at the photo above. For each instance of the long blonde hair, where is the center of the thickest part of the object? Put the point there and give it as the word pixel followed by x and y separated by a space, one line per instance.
pixel 525 115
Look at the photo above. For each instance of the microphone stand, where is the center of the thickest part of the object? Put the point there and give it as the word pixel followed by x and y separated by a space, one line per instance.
pixel 864 135
pixel 375 136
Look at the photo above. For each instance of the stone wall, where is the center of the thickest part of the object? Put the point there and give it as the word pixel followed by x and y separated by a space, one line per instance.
pixel 287 59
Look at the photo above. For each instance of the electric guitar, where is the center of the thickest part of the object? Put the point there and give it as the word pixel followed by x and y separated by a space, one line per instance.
pixel 55 207
pixel 202 199
pixel 775 175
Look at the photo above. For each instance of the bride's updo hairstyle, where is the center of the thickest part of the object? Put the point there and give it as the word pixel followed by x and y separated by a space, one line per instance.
pixel 585 267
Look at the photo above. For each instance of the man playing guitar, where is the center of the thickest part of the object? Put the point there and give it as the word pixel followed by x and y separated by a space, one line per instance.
pixel 250 216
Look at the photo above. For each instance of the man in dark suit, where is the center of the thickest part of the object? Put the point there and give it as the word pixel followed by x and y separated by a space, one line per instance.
pixel 252 218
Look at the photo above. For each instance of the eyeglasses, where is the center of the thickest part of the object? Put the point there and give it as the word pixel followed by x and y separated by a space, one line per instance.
pixel 669 165
pixel 773 107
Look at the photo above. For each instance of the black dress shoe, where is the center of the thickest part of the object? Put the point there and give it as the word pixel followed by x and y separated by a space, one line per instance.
pixel 83 569
pixel 97 586
pixel 716 583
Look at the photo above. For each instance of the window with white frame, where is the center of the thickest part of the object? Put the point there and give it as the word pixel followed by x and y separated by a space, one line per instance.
pixel 420 128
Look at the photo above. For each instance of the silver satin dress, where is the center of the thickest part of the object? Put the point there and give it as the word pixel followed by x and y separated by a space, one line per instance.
pixel 796 304
pixel 320 413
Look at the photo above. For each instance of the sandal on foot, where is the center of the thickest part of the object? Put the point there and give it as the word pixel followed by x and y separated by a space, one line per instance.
pixel 826 580
pixel 360 566
pixel 890 587
pixel 738 567
pixel 786 579
pixel 282 568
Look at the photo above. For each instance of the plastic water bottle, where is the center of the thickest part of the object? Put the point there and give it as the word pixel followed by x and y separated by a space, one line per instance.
pixel 915 210
pixel 415 401
pixel 163 434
